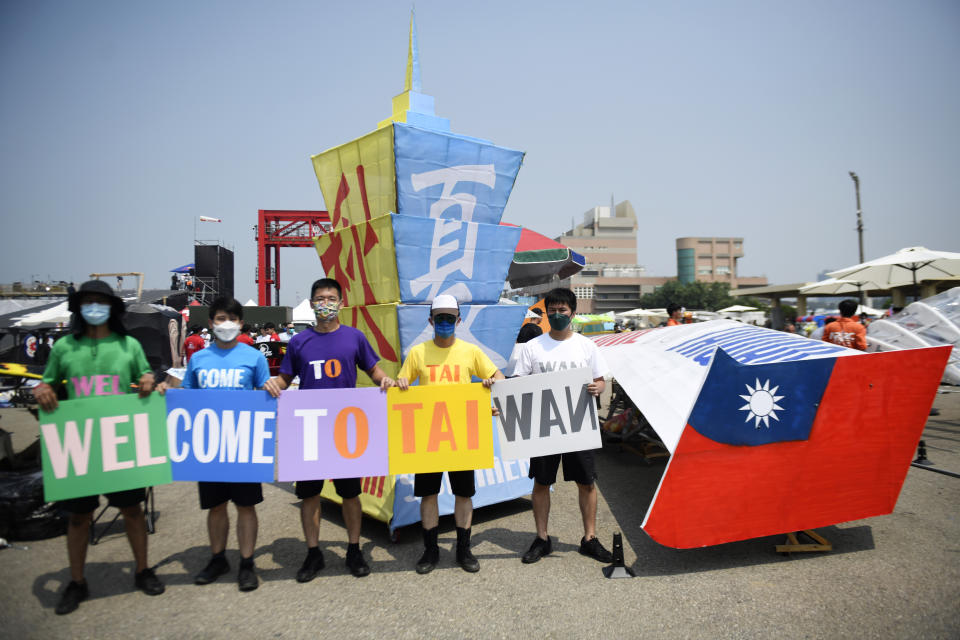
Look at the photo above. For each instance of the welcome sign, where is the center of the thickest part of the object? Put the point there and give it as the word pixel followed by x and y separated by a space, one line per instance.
pixel 439 428
pixel 546 414
pixel 221 435
pixel 96 445
pixel 328 434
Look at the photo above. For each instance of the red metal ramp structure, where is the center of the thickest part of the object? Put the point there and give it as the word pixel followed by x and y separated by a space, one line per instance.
pixel 280 228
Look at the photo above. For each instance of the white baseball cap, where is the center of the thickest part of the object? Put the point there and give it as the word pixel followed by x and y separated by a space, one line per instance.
pixel 445 301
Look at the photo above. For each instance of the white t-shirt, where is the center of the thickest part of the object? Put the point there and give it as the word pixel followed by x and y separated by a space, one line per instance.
pixel 543 354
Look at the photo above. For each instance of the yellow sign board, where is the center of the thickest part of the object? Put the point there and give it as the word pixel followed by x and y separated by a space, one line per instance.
pixel 440 428
pixel 378 323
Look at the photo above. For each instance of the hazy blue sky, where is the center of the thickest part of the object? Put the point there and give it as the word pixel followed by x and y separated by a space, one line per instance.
pixel 122 121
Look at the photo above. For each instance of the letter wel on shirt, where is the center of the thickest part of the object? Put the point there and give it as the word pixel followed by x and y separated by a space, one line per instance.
pixel 221 435
pixel 545 414
pixel 96 445
pixel 440 428
pixel 332 433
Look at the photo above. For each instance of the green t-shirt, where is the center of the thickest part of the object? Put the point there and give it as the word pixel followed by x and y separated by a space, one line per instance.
pixel 91 367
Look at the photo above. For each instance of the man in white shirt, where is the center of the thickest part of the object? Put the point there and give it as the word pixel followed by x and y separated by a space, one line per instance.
pixel 559 349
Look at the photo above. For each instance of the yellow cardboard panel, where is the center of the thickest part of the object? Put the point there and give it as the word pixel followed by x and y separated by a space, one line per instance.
pixel 362 258
pixel 358 179
pixel 439 428
pixel 376 496
pixel 379 324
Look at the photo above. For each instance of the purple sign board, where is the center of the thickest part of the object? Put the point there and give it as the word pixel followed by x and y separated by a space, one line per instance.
pixel 332 433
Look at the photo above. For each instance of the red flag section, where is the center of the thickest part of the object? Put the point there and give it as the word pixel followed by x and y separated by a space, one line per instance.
pixel 864 436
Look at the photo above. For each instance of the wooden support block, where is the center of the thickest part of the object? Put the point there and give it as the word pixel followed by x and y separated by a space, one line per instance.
pixel 794 545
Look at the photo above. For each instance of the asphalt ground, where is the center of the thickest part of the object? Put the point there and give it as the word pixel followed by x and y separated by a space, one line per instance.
pixel 895 576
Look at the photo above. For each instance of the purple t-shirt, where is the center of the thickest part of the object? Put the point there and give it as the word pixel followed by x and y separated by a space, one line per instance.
pixel 328 360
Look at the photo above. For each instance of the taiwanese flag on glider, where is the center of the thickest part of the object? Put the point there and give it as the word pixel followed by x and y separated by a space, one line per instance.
pixel 787 446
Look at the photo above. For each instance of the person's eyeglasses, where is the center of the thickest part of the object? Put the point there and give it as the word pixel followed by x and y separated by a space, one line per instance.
pixel 444 317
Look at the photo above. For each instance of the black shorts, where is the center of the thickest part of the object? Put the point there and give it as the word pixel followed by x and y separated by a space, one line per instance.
pixel 346 488
pixel 578 467
pixel 462 483
pixel 243 494
pixel 118 499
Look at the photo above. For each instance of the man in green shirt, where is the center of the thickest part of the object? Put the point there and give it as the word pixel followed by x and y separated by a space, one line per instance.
pixel 98 358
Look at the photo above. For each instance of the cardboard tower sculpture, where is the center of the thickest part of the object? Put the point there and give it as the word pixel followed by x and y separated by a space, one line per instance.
pixel 415 212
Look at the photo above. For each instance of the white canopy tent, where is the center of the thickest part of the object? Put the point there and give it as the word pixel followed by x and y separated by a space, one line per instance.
pixel 303 313
pixel 737 308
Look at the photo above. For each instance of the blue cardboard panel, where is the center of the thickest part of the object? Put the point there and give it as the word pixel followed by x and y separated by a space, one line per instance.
pixel 465 259
pixel 443 175
pixel 507 480
pixel 492 327
pixel 221 435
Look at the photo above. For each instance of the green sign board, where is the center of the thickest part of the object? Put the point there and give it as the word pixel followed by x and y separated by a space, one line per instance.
pixel 103 444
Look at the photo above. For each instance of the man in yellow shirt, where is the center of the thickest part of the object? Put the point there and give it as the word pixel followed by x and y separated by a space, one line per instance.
pixel 446 360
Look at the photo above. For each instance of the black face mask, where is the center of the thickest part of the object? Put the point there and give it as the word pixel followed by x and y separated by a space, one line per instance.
pixel 558 321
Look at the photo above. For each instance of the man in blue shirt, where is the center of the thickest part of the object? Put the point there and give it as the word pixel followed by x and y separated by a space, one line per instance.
pixel 228 364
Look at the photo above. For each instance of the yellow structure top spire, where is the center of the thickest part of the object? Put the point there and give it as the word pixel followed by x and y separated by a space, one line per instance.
pixel 411 106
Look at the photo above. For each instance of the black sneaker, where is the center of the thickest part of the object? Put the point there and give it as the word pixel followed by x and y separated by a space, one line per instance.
pixel 595 550
pixel 467 561
pixel 312 565
pixel 429 560
pixel 357 565
pixel 148 582
pixel 247 579
pixel 537 550
pixel 72 596
pixel 214 569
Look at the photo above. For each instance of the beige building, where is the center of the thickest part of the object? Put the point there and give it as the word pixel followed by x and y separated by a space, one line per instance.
pixel 611 280
pixel 712 260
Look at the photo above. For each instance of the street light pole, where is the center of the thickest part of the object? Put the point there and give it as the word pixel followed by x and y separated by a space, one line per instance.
pixel 856 184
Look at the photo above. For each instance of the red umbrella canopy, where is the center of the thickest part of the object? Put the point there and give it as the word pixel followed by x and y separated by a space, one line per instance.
pixel 537 259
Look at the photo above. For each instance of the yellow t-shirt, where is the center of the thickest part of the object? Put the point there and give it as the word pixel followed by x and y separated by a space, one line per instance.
pixel 446 365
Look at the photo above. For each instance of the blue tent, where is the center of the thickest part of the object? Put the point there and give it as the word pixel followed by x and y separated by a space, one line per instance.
pixel 184 269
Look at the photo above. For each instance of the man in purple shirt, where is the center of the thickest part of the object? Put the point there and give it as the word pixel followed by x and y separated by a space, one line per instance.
pixel 328 357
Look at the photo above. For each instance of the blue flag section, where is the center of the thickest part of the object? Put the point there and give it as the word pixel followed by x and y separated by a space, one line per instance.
pixel 760 404
pixel 506 480
pixel 754 345
pixel 493 327
pixel 221 435
pixel 444 175
pixel 465 259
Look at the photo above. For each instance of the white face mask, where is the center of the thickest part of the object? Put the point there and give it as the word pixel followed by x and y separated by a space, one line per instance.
pixel 226 331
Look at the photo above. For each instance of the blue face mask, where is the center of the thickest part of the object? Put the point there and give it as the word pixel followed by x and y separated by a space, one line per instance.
pixel 444 329
pixel 95 313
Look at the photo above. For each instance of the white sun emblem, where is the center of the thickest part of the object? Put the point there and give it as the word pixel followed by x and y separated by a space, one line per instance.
pixel 762 404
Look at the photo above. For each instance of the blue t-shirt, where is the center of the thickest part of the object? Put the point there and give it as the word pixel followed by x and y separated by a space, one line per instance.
pixel 241 367
pixel 328 360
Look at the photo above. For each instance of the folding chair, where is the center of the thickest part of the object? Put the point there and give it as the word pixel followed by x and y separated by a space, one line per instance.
pixel 150 512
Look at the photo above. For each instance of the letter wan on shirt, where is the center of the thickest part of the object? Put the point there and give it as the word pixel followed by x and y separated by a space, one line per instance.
pixel 543 354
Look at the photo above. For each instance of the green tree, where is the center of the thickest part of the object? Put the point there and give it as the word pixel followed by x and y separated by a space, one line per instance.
pixel 709 296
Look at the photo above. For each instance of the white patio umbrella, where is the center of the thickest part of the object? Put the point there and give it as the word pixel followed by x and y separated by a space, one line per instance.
pixel 58 314
pixel 832 286
pixel 906 266
pixel 737 308
pixel 642 313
